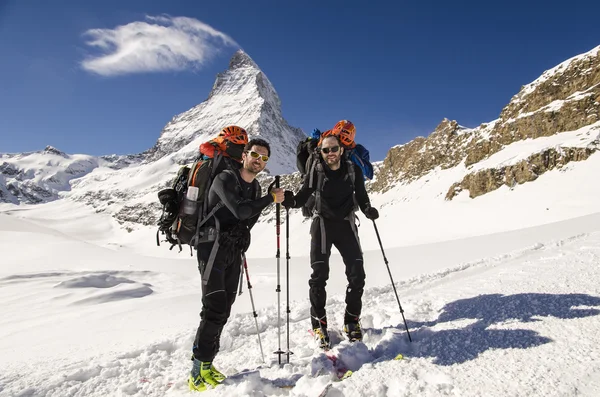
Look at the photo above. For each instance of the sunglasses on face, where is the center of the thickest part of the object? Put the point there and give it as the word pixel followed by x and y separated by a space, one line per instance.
pixel 255 155
pixel 333 149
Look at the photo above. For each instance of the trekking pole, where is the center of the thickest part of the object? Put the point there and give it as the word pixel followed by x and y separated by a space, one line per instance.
pixel 278 256
pixel 393 285
pixel 287 275
pixel 262 354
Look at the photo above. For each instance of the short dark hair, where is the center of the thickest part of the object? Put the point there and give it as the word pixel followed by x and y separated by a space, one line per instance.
pixel 258 142
pixel 337 138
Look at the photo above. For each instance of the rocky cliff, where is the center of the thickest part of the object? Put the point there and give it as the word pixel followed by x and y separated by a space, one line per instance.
pixel 563 99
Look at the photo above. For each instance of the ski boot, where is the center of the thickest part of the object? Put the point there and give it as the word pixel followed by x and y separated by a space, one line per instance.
pixel 353 332
pixel 322 338
pixel 195 381
pixel 219 377
pixel 207 374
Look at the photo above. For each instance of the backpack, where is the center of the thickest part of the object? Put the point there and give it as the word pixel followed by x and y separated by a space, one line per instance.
pixel 305 154
pixel 360 156
pixel 185 209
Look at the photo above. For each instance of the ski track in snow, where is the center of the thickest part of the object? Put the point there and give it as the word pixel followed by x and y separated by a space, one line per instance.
pixel 481 323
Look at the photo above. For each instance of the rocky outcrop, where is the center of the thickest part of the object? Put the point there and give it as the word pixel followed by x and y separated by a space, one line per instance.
pixel 576 111
pixel 446 147
pixel 564 98
pixel 485 181
pixel 574 75
pixel 146 215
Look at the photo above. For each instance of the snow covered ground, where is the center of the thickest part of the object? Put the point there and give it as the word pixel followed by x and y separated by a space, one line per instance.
pixel 506 314
pixel 501 294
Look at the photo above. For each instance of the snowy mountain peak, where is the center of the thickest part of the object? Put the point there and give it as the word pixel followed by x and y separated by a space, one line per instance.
pixel 447 127
pixel 240 59
pixel 245 77
pixel 241 95
pixel 52 150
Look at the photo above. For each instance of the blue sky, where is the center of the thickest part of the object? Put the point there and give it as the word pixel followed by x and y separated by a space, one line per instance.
pixel 395 68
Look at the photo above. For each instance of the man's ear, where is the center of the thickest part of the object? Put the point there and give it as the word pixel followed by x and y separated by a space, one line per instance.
pixel 341 150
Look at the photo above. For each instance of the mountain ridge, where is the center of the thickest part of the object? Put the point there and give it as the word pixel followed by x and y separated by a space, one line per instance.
pixel 471 162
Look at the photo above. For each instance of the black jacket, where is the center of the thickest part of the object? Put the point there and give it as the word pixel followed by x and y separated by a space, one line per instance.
pixel 241 199
pixel 337 193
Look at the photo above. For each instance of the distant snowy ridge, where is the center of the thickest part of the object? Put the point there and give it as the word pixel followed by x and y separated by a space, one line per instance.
pixel 37 177
pixel 124 185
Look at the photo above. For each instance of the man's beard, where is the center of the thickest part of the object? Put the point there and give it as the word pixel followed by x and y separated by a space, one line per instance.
pixel 332 162
pixel 251 169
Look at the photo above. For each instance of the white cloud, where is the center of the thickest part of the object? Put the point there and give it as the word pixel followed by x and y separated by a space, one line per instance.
pixel 159 44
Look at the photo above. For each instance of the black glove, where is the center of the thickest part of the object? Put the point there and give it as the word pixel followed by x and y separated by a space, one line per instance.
pixel 288 199
pixel 168 198
pixel 371 213
pixel 166 220
pixel 167 195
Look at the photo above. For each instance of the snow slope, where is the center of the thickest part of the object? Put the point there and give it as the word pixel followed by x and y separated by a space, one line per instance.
pixel 488 315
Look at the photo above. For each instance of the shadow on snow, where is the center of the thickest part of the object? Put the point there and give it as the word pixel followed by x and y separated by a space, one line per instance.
pixel 455 346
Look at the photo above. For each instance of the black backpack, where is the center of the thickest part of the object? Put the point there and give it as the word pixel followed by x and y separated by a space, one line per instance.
pixel 184 208
pixel 305 154
pixel 309 164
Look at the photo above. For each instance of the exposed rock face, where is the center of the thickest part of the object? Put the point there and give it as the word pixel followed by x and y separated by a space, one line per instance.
pixel 564 98
pixel 576 111
pixel 446 147
pixel 147 215
pixel 528 170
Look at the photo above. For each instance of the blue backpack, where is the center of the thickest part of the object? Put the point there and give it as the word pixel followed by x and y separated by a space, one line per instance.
pixel 360 156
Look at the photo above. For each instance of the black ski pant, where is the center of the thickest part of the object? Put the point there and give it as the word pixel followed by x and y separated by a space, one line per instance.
pixel 218 296
pixel 341 235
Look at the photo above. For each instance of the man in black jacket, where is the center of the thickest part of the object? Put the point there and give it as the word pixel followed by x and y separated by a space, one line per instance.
pixel 339 184
pixel 220 261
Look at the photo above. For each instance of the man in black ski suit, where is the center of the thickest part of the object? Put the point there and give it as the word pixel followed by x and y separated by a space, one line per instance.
pixel 333 223
pixel 220 261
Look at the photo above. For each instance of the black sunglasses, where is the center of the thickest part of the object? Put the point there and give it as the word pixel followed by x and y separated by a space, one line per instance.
pixel 333 149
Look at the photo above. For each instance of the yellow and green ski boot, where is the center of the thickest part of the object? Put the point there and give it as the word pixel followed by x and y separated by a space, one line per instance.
pixel 207 374
pixel 195 381
pixel 219 377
